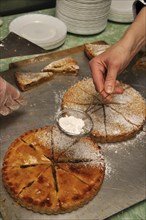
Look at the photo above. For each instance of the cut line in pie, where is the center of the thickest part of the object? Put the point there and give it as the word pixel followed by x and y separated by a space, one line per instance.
pixel 119 120
pixel 46 171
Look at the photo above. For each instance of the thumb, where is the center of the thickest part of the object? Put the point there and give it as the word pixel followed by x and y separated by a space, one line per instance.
pixel 110 81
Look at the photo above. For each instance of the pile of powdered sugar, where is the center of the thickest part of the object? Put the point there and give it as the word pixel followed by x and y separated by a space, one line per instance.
pixel 72 124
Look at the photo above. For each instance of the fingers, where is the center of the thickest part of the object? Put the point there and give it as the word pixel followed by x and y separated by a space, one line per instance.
pixel 118 89
pixel 10 98
pixel 11 105
pixel 105 84
pixel 21 100
pixel 110 81
pixel 97 71
pixel 4 110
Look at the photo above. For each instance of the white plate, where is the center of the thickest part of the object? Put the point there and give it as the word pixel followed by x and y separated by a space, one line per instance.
pixel 39 28
pixel 122 6
pixel 83 17
pixel 52 46
pixel 121 11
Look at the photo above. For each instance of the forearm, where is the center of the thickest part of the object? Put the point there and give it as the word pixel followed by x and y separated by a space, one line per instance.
pixel 135 36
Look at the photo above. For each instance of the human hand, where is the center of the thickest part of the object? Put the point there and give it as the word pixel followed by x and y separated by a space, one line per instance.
pixel 106 67
pixel 10 98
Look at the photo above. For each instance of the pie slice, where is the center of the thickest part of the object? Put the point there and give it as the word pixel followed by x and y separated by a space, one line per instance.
pixel 90 173
pixel 131 105
pixel 21 154
pixel 41 140
pixel 17 178
pixel 27 80
pixel 119 129
pixel 41 196
pixel 61 142
pixel 66 65
pixel 92 50
pixel 72 192
pixel 88 87
pixel 80 97
pixel 140 64
pixel 98 117
pixel 85 149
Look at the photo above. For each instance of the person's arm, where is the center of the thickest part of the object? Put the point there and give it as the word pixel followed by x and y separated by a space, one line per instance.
pixel 113 61
pixel 10 98
pixel 135 37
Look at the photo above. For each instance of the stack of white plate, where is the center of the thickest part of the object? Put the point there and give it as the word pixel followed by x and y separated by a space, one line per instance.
pixel 83 17
pixel 121 11
pixel 45 31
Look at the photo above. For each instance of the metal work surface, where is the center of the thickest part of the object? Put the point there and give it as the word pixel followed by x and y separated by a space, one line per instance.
pixel 124 183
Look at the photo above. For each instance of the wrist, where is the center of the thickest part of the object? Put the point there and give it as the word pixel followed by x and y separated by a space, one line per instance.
pixel 135 36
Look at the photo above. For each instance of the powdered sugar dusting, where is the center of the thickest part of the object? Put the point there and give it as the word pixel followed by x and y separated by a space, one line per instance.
pixel 84 150
pixel 122 118
pixel 44 137
pixel 108 169
pixel 125 145
pixel 61 141
pixel 116 124
pixel 58 96
pixel 124 149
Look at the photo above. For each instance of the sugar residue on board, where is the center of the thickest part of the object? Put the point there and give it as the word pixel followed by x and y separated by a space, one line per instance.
pixel 125 145
pixel 117 148
pixel 58 96
pixel 109 170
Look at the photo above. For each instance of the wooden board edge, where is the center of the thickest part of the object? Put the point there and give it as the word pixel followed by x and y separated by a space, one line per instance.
pixel 39 58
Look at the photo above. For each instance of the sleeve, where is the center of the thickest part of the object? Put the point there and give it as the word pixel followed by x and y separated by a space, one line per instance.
pixel 137 6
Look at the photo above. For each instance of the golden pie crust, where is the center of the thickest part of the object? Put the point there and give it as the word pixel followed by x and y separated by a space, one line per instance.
pixel 49 172
pixel 117 121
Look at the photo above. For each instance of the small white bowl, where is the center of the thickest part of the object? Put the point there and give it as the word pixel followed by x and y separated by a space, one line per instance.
pixel 78 114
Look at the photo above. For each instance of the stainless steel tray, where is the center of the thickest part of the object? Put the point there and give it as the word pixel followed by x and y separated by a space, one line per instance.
pixel 124 183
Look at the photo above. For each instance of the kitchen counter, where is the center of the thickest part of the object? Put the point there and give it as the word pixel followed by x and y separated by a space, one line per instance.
pixel 111 34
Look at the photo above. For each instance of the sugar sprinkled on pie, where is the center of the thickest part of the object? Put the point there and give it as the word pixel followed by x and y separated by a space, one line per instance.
pixel 49 172
pixel 119 120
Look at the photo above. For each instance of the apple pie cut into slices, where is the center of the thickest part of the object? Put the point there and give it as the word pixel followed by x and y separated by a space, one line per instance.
pixel 46 178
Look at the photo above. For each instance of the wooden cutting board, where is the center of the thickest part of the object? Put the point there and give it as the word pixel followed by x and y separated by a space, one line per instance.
pixel 14 45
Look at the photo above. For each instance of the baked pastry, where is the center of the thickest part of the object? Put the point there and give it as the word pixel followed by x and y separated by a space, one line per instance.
pixel 27 80
pixel 53 174
pixel 140 64
pixel 91 50
pixel 119 120
pixel 66 65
